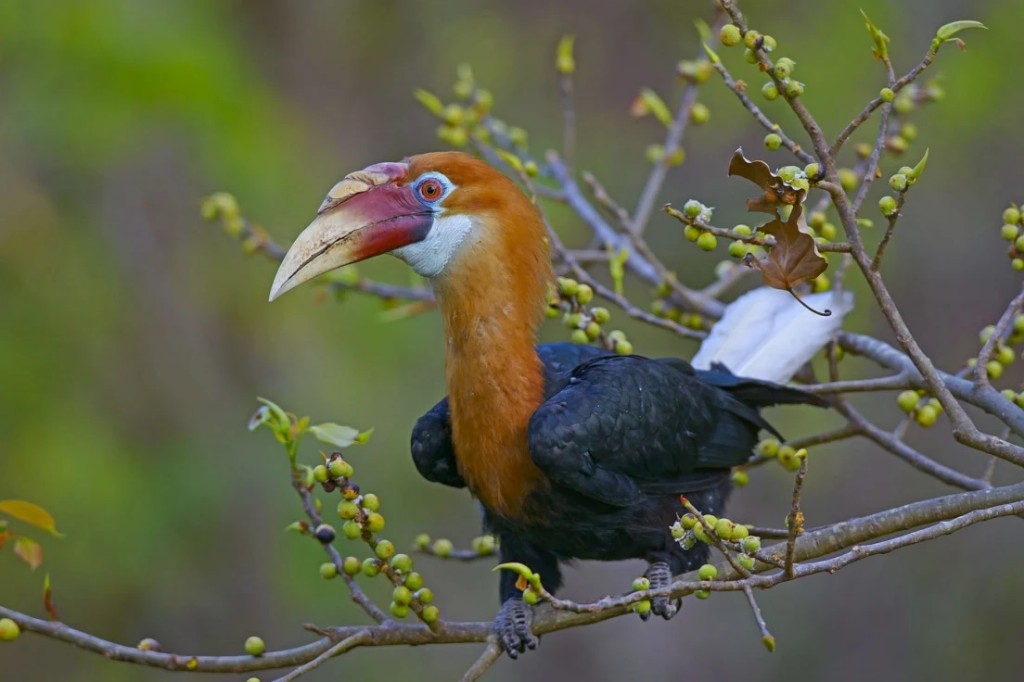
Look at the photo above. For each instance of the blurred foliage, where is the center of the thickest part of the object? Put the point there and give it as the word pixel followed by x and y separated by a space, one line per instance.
pixel 134 338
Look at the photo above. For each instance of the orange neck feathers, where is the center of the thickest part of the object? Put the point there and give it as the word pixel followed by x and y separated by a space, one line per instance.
pixel 492 297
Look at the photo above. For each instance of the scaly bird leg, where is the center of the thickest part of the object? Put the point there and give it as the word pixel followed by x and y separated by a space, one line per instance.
pixel 660 575
pixel 513 627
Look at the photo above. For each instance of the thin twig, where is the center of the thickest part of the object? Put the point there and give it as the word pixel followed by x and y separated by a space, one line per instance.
pixel 998 334
pixel 491 653
pixel 795 520
pixel 759 115
pixel 341 647
pixel 766 636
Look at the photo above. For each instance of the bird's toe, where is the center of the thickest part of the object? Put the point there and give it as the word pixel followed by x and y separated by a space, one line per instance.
pixel 513 628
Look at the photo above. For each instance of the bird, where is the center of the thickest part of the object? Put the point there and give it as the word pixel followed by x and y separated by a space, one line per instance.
pixel 573 452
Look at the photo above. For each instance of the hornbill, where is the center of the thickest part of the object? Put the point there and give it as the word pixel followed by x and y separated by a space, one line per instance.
pixel 572 452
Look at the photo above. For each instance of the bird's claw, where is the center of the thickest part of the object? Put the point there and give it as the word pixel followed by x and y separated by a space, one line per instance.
pixel 660 575
pixel 513 627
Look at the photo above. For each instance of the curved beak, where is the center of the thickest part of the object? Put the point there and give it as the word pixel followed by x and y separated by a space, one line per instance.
pixel 368 213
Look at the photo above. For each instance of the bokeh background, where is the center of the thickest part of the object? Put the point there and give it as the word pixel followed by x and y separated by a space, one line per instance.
pixel 134 338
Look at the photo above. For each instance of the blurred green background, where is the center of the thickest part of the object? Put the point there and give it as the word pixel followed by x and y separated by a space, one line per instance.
pixel 134 338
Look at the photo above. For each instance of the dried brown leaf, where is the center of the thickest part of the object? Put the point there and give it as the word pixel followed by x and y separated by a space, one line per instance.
pixel 794 258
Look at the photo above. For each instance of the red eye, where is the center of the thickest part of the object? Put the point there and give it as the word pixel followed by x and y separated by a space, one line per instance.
pixel 431 190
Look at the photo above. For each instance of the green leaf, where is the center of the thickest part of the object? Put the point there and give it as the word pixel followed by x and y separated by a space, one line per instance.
pixel 30 513
pixel 919 168
pixel 335 434
pixel 524 571
pixel 711 54
pixel 703 30
pixel 947 31
pixel 30 551
pixel 430 101
pixel 880 39
pixel 653 103
pixel 564 60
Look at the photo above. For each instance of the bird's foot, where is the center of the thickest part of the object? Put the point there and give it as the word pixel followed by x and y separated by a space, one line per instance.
pixel 513 627
pixel 660 575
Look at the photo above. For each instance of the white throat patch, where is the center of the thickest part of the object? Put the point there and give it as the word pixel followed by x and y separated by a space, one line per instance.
pixel 430 256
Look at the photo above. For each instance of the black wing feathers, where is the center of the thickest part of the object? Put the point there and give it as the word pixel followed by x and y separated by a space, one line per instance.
pixel 614 427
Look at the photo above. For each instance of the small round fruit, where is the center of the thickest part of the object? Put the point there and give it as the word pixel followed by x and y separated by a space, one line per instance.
pixel 750 544
pixel 1005 355
pixel 740 478
pixel 384 549
pixel 770 91
pixel 709 520
pixel 708 572
pixel 730 35
pixel 351 565
pixel 584 294
pixel 425 595
pixel 328 571
pixel 401 563
pixel 348 510
pixel 339 468
pixel 699 114
pixel 783 68
pixel 701 594
pixel 769 447
pixel 887 95
pixel 579 336
pixel 530 597
pixel 746 561
pixel 1011 215
pixel 751 39
pixel 641 583
pixel 1009 232
pixel 994 368
pixel 413 581
pixel 772 141
pixel 254 646
pixel 692 208
pixel 692 233
pixel 371 502
pixel 724 528
pixel 325 534
pixel 898 182
pixel 927 416
pixel 399 610
pixel 402 595
pixel 688 521
pixel 740 532
pixel 642 607
pixel 887 205
pixel 351 530
pixel 601 315
pixel 443 548
pixel 371 567
pixel 320 473
pixel 707 241
pixel 374 522
pixel 907 400
pixel 484 545
pixel 9 630
pixel 430 614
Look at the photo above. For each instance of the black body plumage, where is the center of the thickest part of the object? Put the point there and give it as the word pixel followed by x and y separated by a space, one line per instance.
pixel 620 438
